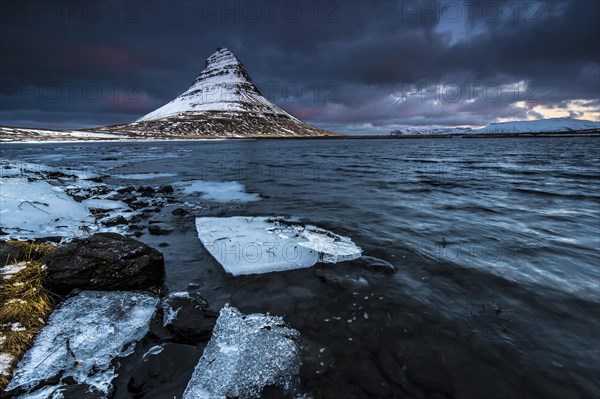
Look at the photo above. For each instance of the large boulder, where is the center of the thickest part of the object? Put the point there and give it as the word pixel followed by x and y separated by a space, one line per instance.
pixel 105 261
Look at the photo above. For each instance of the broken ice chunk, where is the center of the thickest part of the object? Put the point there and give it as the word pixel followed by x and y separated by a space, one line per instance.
pixel 83 336
pixel 249 245
pixel 245 354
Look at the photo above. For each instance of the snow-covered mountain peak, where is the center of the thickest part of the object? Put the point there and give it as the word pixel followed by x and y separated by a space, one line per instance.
pixel 223 66
pixel 223 86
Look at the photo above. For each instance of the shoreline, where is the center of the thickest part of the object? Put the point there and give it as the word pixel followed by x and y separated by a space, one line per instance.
pixel 340 137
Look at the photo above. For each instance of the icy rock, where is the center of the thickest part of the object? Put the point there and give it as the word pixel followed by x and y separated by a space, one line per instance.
pixel 249 245
pixel 246 353
pixel 188 318
pixel 82 338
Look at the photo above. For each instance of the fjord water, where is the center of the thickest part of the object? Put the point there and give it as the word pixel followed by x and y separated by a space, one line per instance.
pixel 496 243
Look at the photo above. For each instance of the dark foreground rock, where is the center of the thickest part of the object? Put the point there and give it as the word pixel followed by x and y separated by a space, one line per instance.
pixel 105 261
pixel 163 372
pixel 184 318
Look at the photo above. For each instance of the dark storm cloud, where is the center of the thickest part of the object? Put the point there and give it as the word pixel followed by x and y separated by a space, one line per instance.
pixel 344 65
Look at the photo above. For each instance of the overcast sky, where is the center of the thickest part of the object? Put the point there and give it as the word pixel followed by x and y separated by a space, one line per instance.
pixel 346 66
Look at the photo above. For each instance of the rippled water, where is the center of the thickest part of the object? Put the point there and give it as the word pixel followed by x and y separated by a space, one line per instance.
pixel 496 244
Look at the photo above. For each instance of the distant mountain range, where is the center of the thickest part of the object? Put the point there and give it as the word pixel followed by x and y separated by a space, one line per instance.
pixel 551 125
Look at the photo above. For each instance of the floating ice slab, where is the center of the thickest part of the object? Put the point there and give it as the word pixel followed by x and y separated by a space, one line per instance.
pixel 251 245
pixel 35 209
pixel 245 354
pixel 230 191
pixel 83 336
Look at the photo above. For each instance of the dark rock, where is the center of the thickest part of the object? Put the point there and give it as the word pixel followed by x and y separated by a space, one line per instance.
pixel 158 230
pixel 138 204
pixel 146 191
pixel 80 391
pixel 179 212
pixel 8 253
pixel 376 264
pixel 125 190
pixel 165 190
pixel 191 320
pixel 163 244
pixel 138 234
pixel 48 240
pixel 104 261
pixel 119 220
pixel 164 374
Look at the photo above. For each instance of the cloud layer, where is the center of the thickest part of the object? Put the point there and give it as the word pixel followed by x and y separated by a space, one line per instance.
pixel 347 66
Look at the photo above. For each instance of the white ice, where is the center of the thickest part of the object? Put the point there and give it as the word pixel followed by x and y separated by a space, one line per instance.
pixel 252 245
pixel 34 209
pixel 84 335
pixel 9 270
pixel 218 191
pixel 245 354
pixel 104 204
pixel 5 362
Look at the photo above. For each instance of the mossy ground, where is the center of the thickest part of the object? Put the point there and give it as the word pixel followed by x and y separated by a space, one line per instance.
pixel 24 306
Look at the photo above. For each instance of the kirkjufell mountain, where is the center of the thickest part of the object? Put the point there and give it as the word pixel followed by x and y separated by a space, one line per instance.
pixel 221 102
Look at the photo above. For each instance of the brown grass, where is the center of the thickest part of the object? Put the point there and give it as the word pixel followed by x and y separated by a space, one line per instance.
pixel 23 303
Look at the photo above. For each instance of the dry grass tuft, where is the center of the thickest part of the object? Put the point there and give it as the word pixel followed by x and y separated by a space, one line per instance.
pixel 31 250
pixel 24 307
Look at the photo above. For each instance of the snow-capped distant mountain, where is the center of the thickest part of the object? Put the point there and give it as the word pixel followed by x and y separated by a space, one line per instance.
pixel 540 126
pixel 426 130
pixel 221 102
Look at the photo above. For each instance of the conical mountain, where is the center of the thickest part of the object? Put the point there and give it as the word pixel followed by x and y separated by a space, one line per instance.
pixel 221 102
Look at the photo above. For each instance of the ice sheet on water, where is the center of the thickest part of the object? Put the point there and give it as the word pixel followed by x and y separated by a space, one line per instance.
pixel 34 209
pixel 230 191
pixel 245 354
pixel 83 336
pixel 251 245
